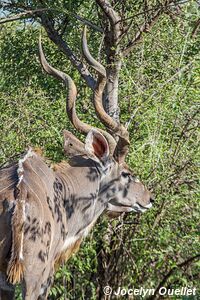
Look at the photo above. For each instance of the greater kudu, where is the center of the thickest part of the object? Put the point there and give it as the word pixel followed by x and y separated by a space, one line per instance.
pixel 45 213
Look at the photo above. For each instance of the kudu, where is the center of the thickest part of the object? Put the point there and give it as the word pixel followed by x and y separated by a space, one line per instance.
pixel 46 212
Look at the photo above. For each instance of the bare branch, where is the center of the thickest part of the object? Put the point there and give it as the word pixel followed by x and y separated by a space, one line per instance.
pixel 86 22
pixel 57 38
pixel 196 28
pixel 145 27
pixel 26 14
pixel 30 13
pixel 159 87
pixel 112 31
pixel 109 11
pixel 185 263
pixel 63 46
pixel 171 4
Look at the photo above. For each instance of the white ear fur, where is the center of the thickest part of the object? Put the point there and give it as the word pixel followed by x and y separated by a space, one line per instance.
pixel 96 145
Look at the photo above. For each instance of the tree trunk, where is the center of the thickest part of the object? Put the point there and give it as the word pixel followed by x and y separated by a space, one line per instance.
pixel 114 63
pixel 111 96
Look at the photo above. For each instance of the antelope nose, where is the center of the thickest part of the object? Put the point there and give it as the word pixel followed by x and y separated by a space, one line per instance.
pixel 152 199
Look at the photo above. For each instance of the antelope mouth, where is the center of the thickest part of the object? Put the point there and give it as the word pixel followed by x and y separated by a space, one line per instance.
pixel 119 208
pixel 140 208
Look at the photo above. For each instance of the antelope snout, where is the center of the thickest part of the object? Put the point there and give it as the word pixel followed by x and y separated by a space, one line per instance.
pixel 146 203
pixel 152 200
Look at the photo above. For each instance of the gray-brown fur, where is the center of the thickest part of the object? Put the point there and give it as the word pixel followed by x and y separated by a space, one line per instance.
pixel 58 205
pixel 45 212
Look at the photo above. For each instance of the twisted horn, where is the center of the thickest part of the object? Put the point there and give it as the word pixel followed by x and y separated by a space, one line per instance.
pixel 116 128
pixel 71 99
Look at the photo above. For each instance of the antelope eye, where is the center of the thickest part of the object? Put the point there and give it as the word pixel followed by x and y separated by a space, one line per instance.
pixel 125 174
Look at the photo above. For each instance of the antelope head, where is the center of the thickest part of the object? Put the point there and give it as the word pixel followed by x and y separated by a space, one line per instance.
pixel 119 190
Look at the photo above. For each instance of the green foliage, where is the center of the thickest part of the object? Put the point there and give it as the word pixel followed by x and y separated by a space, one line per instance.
pixel 159 94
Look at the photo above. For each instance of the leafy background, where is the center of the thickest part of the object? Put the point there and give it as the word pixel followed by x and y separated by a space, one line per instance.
pixel 159 97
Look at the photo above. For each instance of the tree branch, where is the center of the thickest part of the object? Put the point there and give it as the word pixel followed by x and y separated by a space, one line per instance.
pixel 185 263
pixel 112 31
pixel 31 13
pixel 62 45
pixel 196 28
pixel 57 39
pixel 145 27
pixel 88 23
pixel 109 11
pixel 23 15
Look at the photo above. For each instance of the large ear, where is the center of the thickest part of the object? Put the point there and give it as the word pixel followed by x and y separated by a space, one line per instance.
pixel 96 146
pixel 72 145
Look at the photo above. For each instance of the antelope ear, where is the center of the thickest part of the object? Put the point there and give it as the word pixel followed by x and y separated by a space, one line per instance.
pixel 72 145
pixel 96 146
